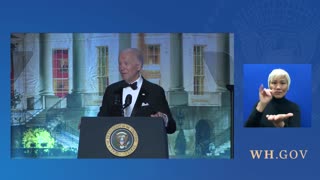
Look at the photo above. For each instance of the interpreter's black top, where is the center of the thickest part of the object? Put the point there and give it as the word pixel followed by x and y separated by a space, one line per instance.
pixel 274 107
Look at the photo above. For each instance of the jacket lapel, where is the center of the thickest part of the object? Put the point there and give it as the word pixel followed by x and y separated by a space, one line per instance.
pixel 118 101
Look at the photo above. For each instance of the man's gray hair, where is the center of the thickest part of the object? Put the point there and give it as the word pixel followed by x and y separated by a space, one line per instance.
pixel 136 51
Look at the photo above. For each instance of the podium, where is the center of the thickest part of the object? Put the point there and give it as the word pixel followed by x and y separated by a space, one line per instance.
pixel 122 137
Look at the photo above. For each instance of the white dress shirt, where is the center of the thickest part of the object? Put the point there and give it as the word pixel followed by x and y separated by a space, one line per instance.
pixel 134 94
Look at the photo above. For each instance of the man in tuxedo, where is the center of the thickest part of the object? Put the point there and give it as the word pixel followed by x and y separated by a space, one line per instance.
pixel 134 96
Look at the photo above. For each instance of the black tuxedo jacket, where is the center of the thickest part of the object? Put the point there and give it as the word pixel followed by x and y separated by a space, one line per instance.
pixel 151 99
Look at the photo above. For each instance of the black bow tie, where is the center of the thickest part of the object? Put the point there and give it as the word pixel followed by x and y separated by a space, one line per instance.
pixel 133 85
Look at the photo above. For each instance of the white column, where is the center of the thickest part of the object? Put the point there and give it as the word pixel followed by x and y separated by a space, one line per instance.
pixel 176 83
pixel 222 61
pixel 124 41
pixel 176 95
pixel 46 84
pixel 79 55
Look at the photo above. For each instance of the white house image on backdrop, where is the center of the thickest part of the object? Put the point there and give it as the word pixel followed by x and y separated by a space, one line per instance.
pixel 60 77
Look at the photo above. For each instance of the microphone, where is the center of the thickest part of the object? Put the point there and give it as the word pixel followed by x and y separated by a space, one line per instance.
pixel 128 101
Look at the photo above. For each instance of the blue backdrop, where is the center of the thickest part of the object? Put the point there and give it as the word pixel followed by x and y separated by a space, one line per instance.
pixel 300 88
pixel 266 31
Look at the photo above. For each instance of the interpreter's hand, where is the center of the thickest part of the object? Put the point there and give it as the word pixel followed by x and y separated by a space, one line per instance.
pixel 265 96
pixel 278 119
pixel 162 115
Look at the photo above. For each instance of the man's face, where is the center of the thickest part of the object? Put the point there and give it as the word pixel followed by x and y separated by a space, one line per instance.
pixel 129 66
pixel 279 86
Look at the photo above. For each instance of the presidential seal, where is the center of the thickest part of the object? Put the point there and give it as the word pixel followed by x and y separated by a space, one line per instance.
pixel 122 140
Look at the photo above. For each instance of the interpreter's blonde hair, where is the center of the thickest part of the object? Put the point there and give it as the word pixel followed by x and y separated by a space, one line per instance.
pixel 277 73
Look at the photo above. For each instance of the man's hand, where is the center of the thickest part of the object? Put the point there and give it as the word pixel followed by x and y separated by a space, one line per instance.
pixel 164 117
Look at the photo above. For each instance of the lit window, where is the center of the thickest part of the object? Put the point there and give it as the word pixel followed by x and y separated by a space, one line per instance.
pixel 60 72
